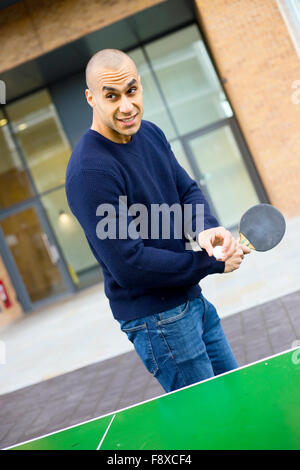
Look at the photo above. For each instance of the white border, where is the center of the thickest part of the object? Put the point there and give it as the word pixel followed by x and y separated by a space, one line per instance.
pixel 151 399
pixel 291 18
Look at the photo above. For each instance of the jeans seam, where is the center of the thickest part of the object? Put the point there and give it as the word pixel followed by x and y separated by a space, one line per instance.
pixel 175 317
pixel 152 353
pixel 135 328
pixel 204 313
pixel 169 349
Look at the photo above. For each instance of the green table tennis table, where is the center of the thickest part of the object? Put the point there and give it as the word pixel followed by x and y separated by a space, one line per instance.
pixel 254 407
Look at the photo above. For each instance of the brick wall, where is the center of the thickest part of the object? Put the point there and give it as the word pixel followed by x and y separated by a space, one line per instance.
pixel 254 53
pixel 31 28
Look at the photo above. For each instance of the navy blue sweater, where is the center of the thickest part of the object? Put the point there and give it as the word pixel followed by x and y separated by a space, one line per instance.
pixel 142 276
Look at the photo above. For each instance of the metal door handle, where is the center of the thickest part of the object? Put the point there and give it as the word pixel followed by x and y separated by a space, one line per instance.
pixel 51 249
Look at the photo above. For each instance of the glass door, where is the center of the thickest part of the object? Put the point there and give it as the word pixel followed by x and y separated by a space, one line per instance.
pixel 221 171
pixel 184 96
pixel 34 254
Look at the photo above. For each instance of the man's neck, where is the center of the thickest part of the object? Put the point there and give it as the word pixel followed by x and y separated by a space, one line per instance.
pixel 111 135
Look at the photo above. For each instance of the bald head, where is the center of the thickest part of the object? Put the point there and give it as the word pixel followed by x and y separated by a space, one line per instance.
pixel 115 93
pixel 107 59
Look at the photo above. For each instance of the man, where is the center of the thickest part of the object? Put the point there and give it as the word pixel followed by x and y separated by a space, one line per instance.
pixel 152 283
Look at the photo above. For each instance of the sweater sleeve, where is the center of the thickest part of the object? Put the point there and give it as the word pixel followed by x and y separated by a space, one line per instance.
pixel 190 193
pixel 131 263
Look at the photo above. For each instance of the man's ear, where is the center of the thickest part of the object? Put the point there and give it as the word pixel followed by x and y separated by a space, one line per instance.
pixel 90 97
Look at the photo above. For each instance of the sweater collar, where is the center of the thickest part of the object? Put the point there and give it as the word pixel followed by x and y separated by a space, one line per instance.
pixel 128 146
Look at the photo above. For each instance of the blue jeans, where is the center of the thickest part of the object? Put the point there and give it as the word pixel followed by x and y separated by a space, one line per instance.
pixel 183 345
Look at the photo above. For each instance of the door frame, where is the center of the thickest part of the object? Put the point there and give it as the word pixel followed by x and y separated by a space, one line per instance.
pixel 245 154
pixel 12 267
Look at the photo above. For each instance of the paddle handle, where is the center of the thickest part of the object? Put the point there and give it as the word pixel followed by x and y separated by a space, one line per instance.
pixel 245 241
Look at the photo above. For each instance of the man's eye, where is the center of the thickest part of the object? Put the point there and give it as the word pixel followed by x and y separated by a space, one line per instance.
pixel 111 96
pixel 131 90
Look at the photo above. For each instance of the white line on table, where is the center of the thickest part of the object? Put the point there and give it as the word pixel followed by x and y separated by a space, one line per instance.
pixel 100 443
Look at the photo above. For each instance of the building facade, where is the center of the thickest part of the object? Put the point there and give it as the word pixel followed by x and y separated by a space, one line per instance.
pixel 217 77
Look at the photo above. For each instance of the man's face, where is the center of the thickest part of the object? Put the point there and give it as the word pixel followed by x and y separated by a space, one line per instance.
pixel 117 101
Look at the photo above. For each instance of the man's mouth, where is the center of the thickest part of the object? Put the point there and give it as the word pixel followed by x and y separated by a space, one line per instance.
pixel 128 121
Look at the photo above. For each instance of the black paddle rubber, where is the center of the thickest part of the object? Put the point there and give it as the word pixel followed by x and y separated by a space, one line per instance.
pixel 263 226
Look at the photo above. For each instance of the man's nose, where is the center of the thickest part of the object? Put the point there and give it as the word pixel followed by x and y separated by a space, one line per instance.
pixel 126 106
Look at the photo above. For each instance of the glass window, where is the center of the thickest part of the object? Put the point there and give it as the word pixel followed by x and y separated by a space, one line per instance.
pixel 224 174
pixel 80 260
pixel 14 182
pixel 42 139
pixel 154 108
pixel 188 80
pixel 181 157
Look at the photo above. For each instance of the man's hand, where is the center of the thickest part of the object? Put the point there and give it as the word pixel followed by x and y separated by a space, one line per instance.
pixel 208 239
pixel 236 259
pixel 246 249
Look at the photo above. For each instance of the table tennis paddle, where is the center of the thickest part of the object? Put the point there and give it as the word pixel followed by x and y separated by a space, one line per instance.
pixel 261 228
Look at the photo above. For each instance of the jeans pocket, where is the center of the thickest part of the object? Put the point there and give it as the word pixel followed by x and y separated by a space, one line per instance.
pixel 183 332
pixel 139 337
pixel 174 314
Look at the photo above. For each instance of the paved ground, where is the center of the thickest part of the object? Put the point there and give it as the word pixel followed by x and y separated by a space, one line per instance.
pixel 121 381
pixel 80 330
